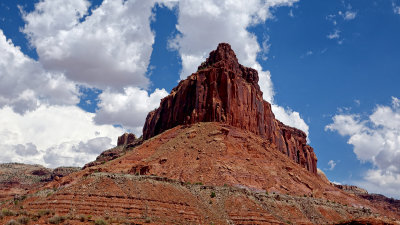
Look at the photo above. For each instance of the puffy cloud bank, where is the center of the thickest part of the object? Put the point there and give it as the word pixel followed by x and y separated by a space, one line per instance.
pixel 375 139
pixel 109 48
pixel 53 136
pixel 24 84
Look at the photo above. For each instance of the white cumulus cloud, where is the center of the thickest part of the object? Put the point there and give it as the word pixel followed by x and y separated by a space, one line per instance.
pixel 376 140
pixel 289 117
pixel 53 136
pixel 129 108
pixel 110 48
pixel 331 164
pixel 348 15
pixel 396 8
pixel 24 84
pixel 381 181
pixel 334 35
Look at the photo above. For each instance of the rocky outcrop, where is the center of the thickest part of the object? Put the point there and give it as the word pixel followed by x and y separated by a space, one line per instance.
pixel 125 139
pixel 126 142
pixel 297 148
pixel 224 91
pixel 389 204
pixel 351 189
pixel 64 171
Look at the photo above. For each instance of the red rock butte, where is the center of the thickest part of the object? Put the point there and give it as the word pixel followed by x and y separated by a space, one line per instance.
pixel 222 90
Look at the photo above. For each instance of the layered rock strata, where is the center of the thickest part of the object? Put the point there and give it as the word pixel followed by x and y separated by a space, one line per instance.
pixel 224 91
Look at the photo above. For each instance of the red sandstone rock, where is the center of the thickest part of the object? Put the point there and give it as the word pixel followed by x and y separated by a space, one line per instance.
pixel 125 139
pixel 224 91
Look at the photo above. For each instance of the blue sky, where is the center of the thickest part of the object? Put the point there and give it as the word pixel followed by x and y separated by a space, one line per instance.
pixel 76 74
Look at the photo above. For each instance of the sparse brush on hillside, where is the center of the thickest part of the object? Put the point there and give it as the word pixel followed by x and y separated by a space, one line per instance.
pixel 57 219
pixel 100 222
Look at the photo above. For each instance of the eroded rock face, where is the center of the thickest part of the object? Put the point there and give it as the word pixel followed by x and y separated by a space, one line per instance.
pixel 224 91
pixel 126 139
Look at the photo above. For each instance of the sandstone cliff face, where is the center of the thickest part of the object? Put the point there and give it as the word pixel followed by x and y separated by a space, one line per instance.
pixel 224 91
pixel 125 139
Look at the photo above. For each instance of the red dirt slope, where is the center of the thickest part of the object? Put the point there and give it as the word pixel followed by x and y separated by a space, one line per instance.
pixel 252 182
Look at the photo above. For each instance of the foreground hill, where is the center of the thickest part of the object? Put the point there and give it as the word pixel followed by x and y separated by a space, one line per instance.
pixel 206 173
pixel 17 179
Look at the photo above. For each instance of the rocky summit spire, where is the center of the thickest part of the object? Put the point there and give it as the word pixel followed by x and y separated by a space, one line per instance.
pixel 223 52
pixel 224 56
pixel 224 91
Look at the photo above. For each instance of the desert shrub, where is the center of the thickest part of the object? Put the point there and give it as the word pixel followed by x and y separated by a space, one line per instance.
pixel 198 183
pixel 82 218
pixel 23 213
pixel 35 217
pixel 23 220
pixel 12 222
pixel 56 219
pixel 7 212
pixel 44 212
pixel 147 220
pixel 100 222
pixel 212 195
